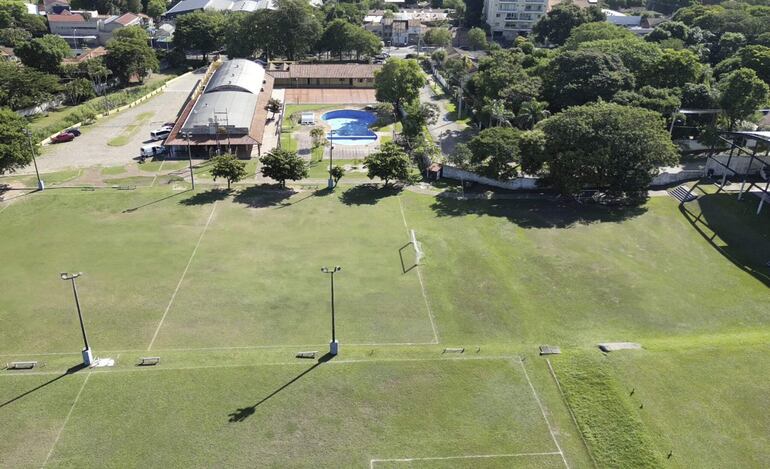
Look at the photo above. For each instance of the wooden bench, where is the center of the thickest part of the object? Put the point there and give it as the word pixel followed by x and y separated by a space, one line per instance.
pixel 148 361
pixel 306 354
pixel 21 365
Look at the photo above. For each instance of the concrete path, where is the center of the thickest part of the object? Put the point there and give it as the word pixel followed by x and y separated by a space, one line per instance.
pixel 91 149
pixel 445 132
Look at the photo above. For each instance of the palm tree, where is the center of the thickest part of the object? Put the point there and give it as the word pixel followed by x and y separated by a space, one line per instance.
pixel 498 113
pixel 531 113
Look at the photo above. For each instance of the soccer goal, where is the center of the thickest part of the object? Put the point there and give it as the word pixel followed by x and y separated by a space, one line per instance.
pixel 418 253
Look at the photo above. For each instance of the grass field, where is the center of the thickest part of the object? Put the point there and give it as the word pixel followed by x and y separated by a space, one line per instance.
pixel 226 288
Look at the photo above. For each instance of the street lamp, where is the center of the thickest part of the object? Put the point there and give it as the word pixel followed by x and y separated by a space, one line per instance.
pixel 88 357
pixel 40 184
pixel 333 345
pixel 331 158
pixel 189 157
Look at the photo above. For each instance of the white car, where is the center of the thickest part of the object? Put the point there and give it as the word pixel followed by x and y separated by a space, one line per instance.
pixel 160 133
pixel 151 150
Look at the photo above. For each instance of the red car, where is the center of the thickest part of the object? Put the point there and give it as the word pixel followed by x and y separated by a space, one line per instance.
pixel 63 137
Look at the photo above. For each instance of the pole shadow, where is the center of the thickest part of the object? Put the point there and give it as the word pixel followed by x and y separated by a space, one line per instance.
pixel 70 371
pixel 239 415
pixel 134 209
pixel 401 256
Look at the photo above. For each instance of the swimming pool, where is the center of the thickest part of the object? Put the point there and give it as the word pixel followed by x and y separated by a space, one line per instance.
pixel 351 127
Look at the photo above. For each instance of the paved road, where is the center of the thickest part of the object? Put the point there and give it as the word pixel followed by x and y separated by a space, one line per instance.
pixel 91 149
pixel 446 132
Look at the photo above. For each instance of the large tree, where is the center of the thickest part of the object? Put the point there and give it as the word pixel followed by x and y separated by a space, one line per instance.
pixel 21 86
pixel 556 26
pixel 673 69
pixel 202 31
pixel 130 56
pixel 596 31
pixel 441 37
pixel 474 10
pixel 477 38
pixel 297 27
pixel 390 162
pixel 661 100
pixel 399 81
pixel 579 77
pixel 637 55
pixel 229 168
pixel 495 152
pixel 281 164
pixel 742 94
pixel 15 151
pixel 44 53
pixel 605 146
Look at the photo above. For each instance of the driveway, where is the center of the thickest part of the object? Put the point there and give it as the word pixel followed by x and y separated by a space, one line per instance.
pixel 91 149
pixel 445 132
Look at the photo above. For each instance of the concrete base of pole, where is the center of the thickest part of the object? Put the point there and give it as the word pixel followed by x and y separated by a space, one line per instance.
pixel 41 185
pixel 334 347
pixel 88 357
pixel 331 183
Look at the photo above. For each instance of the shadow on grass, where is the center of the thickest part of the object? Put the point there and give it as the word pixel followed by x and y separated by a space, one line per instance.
pixel 239 415
pixel 404 268
pixel 733 228
pixel 263 196
pixel 208 197
pixel 536 213
pixel 70 371
pixel 368 194
pixel 134 209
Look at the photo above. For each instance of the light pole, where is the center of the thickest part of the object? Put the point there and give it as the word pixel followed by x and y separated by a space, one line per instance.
pixel 331 158
pixel 333 345
pixel 40 183
pixel 88 357
pixel 75 37
pixel 189 157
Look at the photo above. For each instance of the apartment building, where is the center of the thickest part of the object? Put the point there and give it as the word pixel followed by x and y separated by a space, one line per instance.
pixel 510 18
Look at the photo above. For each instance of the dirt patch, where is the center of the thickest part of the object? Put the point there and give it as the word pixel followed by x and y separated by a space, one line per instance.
pixel 329 96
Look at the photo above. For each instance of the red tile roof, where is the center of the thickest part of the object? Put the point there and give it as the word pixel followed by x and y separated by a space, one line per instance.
pixel 126 19
pixel 69 18
pixel 327 71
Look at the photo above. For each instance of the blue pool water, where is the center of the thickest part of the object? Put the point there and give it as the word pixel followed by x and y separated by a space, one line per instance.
pixel 351 127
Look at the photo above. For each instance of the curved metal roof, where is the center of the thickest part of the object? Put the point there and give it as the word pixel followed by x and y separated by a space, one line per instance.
pixel 237 75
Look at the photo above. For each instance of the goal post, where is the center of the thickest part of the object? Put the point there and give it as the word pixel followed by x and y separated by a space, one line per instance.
pixel 418 252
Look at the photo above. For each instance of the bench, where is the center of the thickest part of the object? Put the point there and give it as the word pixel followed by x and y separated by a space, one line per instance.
pixel 454 350
pixel 21 365
pixel 549 350
pixel 148 361
pixel 306 354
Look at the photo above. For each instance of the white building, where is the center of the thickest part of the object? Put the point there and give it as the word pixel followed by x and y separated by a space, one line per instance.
pixel 81 29
pixel 511 18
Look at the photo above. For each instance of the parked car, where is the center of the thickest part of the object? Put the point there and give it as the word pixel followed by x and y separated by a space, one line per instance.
pixel 75 132
pixel 62 137
pixel 160 134
pixel 153 149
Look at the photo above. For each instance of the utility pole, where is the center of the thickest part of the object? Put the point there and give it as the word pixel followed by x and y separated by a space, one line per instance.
pixel 189 157
pixel 331 158
pixel 333 345
pixel 88 357
pixel 40 183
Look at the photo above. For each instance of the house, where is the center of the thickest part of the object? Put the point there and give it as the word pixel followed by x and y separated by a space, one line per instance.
pixel 324 75
pixel 404 27
pixel 229 116
pixel 81 29
pixel 7 54
pixel 510 18
pixel 84 56
pixel 635 24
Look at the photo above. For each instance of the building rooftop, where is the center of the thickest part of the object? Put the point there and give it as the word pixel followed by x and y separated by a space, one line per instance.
pixel 186 6
pixel 66 18
pixel 237 75
pixel 326 71
pixel 125 19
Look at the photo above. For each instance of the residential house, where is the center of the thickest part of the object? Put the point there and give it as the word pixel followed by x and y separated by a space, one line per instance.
pixel 404 27
pixel 82 29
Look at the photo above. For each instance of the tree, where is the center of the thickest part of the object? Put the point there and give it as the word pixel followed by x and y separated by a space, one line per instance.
pixel 501 75
pixel 79 89
pixel 14 143
pixel 365 42
pixel 664 101
pixel 477 38
pixel 336 173
pixel 498 113
pixel 495 152
pixel 201 31
pixel 297 28
pixel 399 81
pixel 728 45
pixel 637 55
pixel 742 94
pixel 388 163
pixel 156 8
pixel 596 31
pixel 532 112
pixel 229 168
pixel 22 87
pixel 699 96
pixel 274 106
pixel 418 115
pixel 673 69
pixel 474 10
pixel 440 37
pixel 131 33
pixel 14 37
pixel 605 146
pixel 130 57
pixel 44 53
pixel 353 13
pixel 460 156
pixel 281 164
pixel 318 136
pixel 756 58
pixel 13 14
pixel 556 26
pixel 337 37
pixel 579 77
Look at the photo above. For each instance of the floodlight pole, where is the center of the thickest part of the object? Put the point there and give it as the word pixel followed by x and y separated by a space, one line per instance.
pixel 88 357
pixel 40 183
pixel 189 157
pixel 331 159
pixel 333 345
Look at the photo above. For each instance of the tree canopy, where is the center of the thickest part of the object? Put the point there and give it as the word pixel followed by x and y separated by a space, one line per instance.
pixel 389 163
pixel 495 152
pixel 399 81
pixel 281 164
pixel 556 25
pixel 130 56
pixel 15 152
pixel 44 53
pixel 743 92
pixel 229 168
pixel 21 86
pixel 201 31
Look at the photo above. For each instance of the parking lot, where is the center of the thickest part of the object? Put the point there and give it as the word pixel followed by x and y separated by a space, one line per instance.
pixel 134 125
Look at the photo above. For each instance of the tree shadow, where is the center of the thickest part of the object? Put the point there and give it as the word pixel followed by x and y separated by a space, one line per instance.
pixel 368 194
pixel 536 213
pixel 263 196
pixel 70 371
pixel 239 415
pixel 734 229
pixel 208 197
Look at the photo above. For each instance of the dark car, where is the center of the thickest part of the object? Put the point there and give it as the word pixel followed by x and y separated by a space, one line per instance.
pixel 63 137
pixel 75 132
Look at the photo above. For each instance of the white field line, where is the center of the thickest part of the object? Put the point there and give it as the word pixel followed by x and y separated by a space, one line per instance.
pixel 66 419
pixel 157 172
pixel 542 410
pixel 419 277
pixel 372 462
pixel 181 279
pixel 298 362
pixel 572 414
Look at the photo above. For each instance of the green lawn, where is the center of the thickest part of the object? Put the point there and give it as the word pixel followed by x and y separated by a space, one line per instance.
pixel 355 169
pixel 50 179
